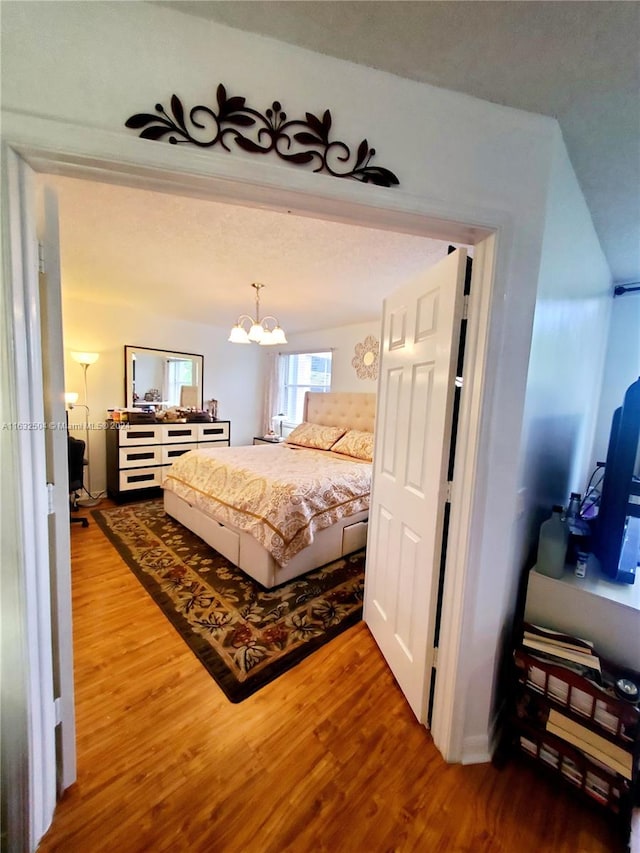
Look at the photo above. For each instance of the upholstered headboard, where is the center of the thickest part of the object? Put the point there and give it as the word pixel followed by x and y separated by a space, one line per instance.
pixel 352 410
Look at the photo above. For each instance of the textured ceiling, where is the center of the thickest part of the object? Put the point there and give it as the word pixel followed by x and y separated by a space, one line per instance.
pixel 125 247
pixel 576 61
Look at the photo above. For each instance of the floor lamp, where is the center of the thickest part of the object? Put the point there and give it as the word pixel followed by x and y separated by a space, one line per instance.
pixel 84 359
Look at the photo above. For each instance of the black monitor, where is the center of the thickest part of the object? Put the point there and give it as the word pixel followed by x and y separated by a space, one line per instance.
pixel 616 540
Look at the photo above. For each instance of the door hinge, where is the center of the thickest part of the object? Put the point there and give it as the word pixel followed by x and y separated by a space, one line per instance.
pixel 50 499
pixel 434 663
pixel 447 491
pixel 465 307
pixel 41 268
pixel 57 710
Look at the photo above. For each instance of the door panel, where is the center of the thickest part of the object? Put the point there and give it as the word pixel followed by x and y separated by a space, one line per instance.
pixel 421 395
pixel 405 623
pixel 389 435
pixel 58 478
pixel 420 331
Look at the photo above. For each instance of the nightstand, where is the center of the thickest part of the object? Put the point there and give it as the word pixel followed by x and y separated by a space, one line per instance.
pixel 260 439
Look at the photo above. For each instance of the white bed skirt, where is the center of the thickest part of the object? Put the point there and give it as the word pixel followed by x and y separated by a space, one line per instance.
pixel 240 548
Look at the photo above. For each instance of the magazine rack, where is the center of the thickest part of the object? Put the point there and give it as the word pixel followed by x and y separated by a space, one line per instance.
pixel 542 687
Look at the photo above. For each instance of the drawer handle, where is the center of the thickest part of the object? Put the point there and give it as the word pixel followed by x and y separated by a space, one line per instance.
pixel 179 432
pixel 214 431
pixel 140 478
pixel 147 455
pixel 177 452
pixel 130 435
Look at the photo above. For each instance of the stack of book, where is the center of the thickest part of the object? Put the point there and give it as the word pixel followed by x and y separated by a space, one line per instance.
pixel 573 653
pixel 605 752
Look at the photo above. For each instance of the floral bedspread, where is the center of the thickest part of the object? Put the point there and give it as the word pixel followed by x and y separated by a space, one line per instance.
pixel 282 495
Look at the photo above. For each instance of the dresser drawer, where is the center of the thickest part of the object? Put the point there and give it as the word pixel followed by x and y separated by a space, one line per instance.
pixel 213 432
pixel 179 433
pixel 211 445
pixel 140 457
pixel 135 435
pixel 354 537
pixel 170 452
pixel 141 478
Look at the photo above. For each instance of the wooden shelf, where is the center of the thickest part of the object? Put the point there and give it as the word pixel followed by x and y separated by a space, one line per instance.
pixel 568 764
pixel 542 689
pixel 582 700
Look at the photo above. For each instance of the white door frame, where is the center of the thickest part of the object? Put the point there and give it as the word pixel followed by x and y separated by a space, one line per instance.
pixel 55 147
pixel 466 520
pixel 57 480
pixel 26 616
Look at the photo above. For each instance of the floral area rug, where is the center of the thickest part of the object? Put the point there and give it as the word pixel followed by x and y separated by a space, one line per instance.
pixel 244 635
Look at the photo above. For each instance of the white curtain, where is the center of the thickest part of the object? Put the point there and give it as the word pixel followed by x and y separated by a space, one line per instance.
pixel 273 385
pixel 167 379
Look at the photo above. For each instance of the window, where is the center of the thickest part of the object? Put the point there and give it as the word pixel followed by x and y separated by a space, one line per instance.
pixel 179 372
pixel 300 372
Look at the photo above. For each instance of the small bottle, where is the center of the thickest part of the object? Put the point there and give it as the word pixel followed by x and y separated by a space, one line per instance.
pixel 573 510
pixel 579 535
pixel 552 544
pixel 580 570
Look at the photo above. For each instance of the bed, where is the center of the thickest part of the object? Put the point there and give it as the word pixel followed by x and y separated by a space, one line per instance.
pixel 278 511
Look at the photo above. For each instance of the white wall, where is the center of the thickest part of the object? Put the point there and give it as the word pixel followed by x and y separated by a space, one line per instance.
pixel 458 159
pixel 236 382
pixel 342 340
pixel 566 364
pixel 622 366
pixel 568 347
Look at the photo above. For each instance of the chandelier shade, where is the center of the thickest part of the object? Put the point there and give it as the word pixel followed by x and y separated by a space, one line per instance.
pixel 266 331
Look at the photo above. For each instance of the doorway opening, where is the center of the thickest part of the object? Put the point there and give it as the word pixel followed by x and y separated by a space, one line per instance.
pixel 339 206
pixel 406 253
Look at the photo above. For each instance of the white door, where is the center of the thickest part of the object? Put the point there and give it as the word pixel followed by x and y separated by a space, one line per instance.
pixel 420 335
pixel 58 480
pixel 28 713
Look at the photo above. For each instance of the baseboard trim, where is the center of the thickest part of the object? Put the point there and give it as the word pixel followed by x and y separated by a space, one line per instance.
pixel 479 749
pixel 475 750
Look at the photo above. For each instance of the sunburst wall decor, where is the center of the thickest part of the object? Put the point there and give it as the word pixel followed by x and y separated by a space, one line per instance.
pixel 365 361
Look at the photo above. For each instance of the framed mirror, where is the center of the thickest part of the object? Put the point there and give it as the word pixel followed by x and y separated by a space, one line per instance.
pixel 162 378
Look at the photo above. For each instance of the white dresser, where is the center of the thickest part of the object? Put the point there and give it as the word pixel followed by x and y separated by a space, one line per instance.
pixel 139 455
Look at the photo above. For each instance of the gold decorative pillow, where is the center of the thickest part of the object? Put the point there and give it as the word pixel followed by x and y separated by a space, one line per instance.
pixel 355 443
pixel 315 435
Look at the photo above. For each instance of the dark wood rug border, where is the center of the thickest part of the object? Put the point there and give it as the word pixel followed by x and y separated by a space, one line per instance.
pixel 235 691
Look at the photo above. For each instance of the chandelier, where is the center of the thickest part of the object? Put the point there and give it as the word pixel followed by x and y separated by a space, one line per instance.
pixel 265 332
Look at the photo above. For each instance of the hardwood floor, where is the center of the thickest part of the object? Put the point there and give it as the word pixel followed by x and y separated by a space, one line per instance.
pixel 326 758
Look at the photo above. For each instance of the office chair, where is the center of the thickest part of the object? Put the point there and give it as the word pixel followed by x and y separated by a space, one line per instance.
pixel 76 474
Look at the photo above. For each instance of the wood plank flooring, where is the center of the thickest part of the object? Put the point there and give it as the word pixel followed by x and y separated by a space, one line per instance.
pixel 326 758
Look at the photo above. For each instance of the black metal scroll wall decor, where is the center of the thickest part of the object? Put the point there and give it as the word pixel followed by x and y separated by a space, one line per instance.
pixel 269 132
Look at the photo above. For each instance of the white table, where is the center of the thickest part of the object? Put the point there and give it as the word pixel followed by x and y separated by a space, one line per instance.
pixel 592 607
